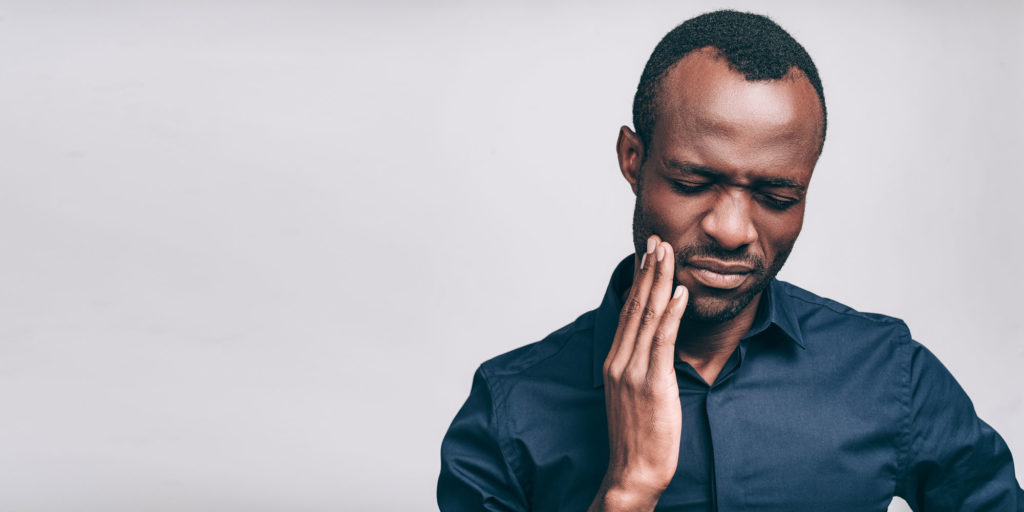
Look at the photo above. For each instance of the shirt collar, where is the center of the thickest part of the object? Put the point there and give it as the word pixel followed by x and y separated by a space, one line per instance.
pixel 775 309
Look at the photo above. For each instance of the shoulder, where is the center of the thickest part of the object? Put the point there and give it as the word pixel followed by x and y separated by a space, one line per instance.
pixel 836 334
pixel 527 357
pixel 562 357
pixel 824 318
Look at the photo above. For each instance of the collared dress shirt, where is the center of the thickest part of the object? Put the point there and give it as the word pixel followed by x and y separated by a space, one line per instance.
pixel 820 408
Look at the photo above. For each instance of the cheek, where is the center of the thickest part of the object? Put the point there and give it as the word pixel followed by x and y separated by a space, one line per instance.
pixel 670 215
pixel 778 231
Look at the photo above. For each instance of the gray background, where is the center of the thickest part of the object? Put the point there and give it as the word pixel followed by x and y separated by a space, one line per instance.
pixel 252 252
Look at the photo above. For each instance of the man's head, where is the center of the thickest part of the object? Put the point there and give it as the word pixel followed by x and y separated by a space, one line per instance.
pixel 730 120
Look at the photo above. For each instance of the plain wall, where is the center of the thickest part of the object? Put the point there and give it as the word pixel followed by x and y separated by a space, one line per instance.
pixel 252 252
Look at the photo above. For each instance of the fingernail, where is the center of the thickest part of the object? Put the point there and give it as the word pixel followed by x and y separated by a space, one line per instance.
pixel 642 260
pixel 661 252
pixel 678 293
pixel 650 245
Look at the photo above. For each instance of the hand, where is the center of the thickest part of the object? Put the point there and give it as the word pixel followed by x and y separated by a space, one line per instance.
pixel 640 388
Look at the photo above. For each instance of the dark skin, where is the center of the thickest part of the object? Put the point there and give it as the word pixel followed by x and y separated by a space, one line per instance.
pixel 720 203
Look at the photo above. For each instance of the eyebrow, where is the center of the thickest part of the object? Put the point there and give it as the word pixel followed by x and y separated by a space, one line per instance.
pixel 711 173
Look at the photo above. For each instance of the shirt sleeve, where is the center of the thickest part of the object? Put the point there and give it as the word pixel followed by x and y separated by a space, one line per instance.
pixel 475 474
pixel 953 461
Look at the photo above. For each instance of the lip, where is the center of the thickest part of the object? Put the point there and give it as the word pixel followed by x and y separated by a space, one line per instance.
pixel 718 274
pixel 719 267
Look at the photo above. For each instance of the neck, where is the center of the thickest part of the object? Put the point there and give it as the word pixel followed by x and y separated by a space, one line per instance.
pixel 707 346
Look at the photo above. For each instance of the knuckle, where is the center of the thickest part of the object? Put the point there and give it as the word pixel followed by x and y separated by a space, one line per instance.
pixel 657 339
pixel 660 339
pixel 612 372
pixel 634 378
pixel 646 389
pixel 608 369
pixel 657 336
pixel 650 315
pixel 632 306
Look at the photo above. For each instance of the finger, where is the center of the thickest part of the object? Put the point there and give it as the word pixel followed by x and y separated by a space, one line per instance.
pixel 625 333
pixel 657 302
pixel 663 346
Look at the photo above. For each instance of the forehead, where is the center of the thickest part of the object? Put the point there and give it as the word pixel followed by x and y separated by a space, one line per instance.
pixel 711 115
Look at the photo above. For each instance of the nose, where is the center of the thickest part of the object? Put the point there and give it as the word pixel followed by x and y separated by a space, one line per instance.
pixel 728 222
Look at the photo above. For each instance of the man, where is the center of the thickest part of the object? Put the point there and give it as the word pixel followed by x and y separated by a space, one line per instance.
pixel 701 382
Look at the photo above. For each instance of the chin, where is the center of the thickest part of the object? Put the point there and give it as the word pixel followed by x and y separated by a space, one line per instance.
pixel 713 310
pixel 708 305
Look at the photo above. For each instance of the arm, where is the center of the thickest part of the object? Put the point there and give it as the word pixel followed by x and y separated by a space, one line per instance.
pixel 641 392
pixel 953 459
pixel 475 474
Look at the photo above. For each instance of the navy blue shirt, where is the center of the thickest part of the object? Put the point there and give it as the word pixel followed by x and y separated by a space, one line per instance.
pixel 819 408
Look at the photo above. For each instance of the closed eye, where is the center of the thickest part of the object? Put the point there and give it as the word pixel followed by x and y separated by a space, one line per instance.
pixel 690 187
pixel 778 202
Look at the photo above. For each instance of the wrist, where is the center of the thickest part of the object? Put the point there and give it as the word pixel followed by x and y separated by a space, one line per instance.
pixel 618 496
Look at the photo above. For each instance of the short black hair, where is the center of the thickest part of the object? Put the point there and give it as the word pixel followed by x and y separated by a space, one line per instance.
pixel 753 45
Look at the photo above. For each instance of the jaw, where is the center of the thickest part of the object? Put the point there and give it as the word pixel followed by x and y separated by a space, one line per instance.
pixel 718 306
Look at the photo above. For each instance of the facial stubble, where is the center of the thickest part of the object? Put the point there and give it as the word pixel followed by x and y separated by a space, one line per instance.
pixel 704 307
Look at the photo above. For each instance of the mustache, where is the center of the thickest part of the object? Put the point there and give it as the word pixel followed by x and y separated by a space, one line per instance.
pixel 738 256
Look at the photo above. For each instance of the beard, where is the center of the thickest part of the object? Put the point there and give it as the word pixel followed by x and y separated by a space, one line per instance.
pixel 713 306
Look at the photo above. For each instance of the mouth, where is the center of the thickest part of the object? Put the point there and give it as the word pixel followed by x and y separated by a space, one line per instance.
pixel 718 274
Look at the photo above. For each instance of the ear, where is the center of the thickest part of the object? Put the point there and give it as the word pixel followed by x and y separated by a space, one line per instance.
pixel 631 153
